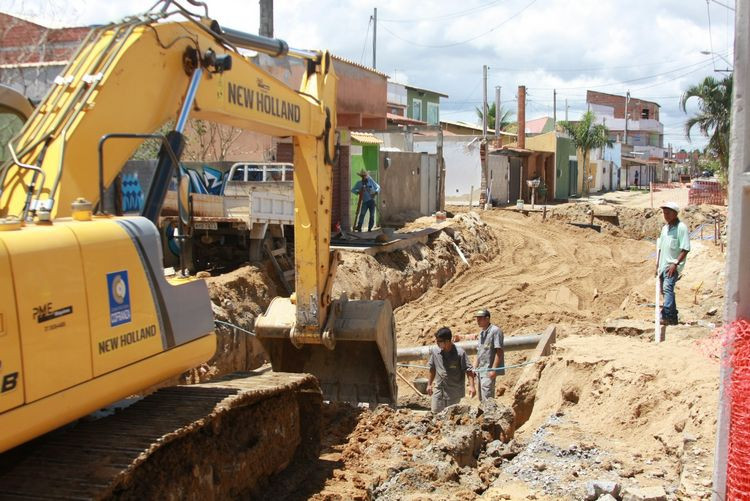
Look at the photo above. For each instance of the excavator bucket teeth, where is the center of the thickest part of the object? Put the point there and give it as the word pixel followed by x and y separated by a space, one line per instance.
pixel 362 365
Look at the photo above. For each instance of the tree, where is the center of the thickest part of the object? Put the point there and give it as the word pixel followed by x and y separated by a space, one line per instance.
pixel 506 116
pixel 713 115
pixel 586 136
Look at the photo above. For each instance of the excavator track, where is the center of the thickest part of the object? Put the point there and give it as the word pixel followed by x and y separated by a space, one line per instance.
pixel 215 440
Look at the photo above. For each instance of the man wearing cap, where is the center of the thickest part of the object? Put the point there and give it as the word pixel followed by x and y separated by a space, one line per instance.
pixel 449 367
pixel 672 249
pixel 490 353
pixel 368 189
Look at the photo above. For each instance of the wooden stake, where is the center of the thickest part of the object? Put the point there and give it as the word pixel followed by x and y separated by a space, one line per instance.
pixel 411 385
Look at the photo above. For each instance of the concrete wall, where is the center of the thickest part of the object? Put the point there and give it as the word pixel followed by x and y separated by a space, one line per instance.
pixel 360 96
pixel 400 141
pixel 400 186
pixel 463 168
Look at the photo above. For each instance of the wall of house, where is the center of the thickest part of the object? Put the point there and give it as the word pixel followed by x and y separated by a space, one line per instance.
pixel 565 150
pixel 400 184
pixel 590 170
pixel 613 161
pixel 617 103
pixel 400 141
pixel 463 168
pixel 543 142
pixel 360 97
pixel 425 97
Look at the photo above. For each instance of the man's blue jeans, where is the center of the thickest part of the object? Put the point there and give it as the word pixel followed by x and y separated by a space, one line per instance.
pixel 669 310
pixel 368 205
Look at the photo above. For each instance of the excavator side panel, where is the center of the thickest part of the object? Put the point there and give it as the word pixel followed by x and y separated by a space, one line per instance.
pixel 11 370
pixel 94 310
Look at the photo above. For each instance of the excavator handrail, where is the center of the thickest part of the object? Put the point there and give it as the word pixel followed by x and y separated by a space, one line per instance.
pixel 125 135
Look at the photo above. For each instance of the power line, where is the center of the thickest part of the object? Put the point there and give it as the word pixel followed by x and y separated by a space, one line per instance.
pixel 463 41
pixel 723 5
pixel 452 15
pixel 364 44
pixel 710 37
pixel 700 65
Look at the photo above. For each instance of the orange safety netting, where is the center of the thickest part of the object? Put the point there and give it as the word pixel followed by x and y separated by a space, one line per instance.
pixel 738 462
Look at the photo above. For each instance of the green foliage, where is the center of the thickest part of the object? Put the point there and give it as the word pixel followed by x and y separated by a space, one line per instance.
pixel 586 136
pixel 506 116
pixel 713 116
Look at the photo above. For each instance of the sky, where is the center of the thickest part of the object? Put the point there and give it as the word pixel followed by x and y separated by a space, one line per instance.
pixel 650 47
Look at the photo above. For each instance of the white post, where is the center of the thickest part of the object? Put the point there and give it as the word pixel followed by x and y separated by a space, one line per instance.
pixel 737 294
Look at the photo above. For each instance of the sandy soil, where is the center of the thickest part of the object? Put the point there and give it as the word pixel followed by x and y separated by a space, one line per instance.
pixel 610 404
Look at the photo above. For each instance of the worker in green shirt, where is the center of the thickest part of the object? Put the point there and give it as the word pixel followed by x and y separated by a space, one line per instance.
pixel 672 247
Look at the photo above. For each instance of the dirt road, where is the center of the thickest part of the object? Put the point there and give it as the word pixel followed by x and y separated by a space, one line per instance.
pixel 608 406
pixel 543 273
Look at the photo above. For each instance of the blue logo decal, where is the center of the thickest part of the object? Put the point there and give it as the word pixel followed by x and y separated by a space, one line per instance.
pixel 119 298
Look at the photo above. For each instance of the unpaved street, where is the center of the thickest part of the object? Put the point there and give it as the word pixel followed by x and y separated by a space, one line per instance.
pixel 608 404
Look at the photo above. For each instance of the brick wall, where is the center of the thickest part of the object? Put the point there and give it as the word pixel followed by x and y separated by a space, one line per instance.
pixel 26 42
pixel 635 105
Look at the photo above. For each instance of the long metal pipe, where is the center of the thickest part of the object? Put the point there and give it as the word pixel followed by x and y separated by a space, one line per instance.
pixel 515 343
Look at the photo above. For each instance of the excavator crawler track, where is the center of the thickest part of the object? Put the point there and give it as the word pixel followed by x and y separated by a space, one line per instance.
pixel 216 440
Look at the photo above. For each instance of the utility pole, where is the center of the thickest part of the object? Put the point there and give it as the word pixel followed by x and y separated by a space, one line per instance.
pixel 522 116
pixel 627 105
pixel 497 112
pixel 484 102
pixel 483 195
pixel 374 37
pixel 554 109
pixel 266 18
pixel 566 109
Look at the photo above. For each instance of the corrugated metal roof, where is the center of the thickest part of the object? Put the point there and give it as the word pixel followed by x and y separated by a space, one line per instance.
pixel 365 138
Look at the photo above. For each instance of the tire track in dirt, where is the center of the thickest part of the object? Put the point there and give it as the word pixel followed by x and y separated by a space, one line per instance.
pixel 544 272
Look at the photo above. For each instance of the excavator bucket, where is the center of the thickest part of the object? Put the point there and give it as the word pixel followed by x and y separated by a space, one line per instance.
pixel 361 367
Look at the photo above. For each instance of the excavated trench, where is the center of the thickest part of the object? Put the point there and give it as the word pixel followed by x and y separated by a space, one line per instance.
pixel 603 409
pixel 401 276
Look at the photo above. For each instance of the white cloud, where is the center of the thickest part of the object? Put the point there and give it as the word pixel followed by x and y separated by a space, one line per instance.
pixel 606 45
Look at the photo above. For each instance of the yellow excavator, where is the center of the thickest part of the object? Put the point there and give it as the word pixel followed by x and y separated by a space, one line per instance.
pixel 87 316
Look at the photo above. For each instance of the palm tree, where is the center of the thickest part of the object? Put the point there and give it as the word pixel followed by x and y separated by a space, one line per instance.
pixel 586 136
pixel 712 118
pixel 506 116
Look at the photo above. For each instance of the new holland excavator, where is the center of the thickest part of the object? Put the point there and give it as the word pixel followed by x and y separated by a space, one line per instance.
pixel 87 317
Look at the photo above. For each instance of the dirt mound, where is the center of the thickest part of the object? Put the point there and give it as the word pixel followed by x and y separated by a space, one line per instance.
pixel 238 297
pixel 405 275
pixel 637 407
pixel 399 454
pixel 638 223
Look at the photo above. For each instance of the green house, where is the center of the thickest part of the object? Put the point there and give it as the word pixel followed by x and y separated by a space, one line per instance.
pixel 423 104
